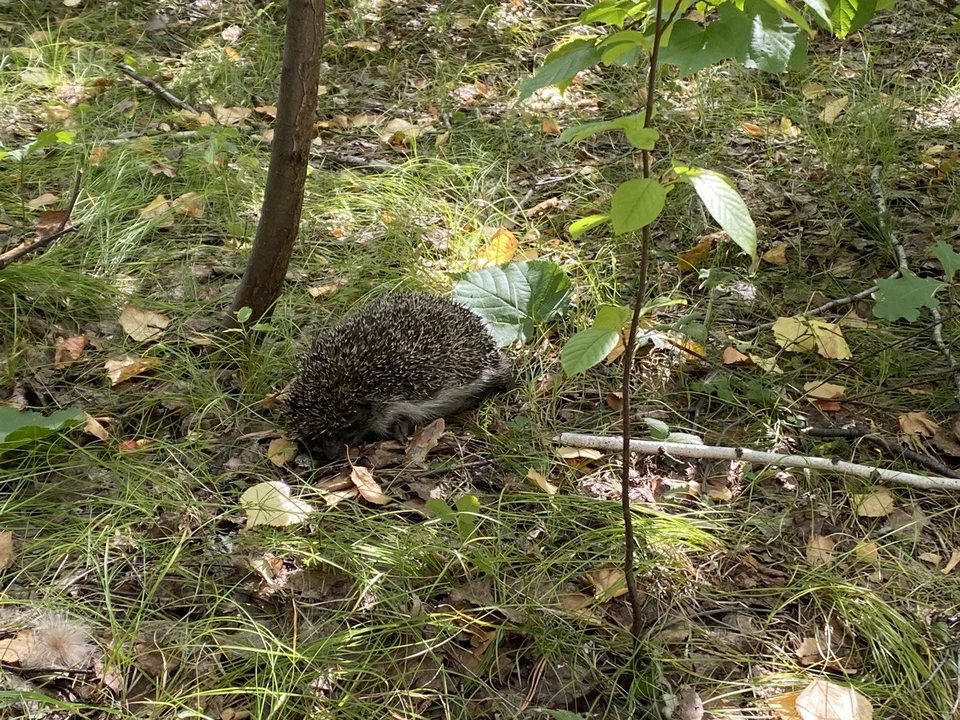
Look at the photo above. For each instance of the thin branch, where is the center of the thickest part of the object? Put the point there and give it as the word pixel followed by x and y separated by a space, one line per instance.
pixel 155 87
pixel 710 452
pixel 13 255
pixel 860 432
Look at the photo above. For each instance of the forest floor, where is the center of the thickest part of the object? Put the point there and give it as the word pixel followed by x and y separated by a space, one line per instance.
pixel 124 555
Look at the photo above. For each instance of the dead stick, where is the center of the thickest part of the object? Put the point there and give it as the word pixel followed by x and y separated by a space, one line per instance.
pixel 857 432
pixel 710 452
pixel 62 229
pixel 155 87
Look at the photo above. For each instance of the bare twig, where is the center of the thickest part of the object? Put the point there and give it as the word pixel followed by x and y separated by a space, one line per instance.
pixel 13 255
pixel 155 87
pixel 890 446
pixel 710 452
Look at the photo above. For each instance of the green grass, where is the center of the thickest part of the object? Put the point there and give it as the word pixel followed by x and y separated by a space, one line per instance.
pixel 383 612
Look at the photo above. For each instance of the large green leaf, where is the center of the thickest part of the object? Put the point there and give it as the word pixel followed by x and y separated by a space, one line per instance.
pixel 515 297
pixel 948 257
pixel 725 205
pixel 21 427
pixel 903 297
pixel 562 65
pixel 848 16
pixel 623 48
pixel 636 203
pixel 587 348
pixel 774 44
pixel 580 226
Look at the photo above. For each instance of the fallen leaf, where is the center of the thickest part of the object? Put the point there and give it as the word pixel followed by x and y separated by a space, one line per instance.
pixel 824 700
pixel 808 653
pixel 7 554
pixel 269 110
pixel 271 503
pixel 788 128
pixel 867 552
pixel 732 356
pixel 777 254
pixel 541 482
pixel 158 208
pixel 230 116
pixel 369 488
pixel 824 395
pixel 97 155
pixel 498 250
pixel 231 33
pixel 608 582
pixel 614 400
pixel 369 46
pixel 796 334
pixel 918 423
pixel 66 351
pixel 48 222
pixel 813 90
pixel 931 558
pixel 399 132
pixel 820 550
pixel 127 367
pixel 946 442
pixel 550 127
pixel 952 562
pixel 133 445
pixel 321 290
pixel 281 450
pixel 875 504
pixel 189 204
pixel 425 440
pixel 142 324
pixel 94 427
pixel 572 453
pixel 752 130
pixel 833 108
pixel 690 259
pixel 43 200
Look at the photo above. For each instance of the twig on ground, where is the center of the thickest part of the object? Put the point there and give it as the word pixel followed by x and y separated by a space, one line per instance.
pixel 155 87
pixel 860 432
pixel 710 452
pixel 884 225
pixel 11 256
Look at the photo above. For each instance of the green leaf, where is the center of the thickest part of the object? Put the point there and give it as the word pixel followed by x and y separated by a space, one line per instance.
pixel 632 126
pixel 21 427
pixel 658 428
pixel 244 313
pixel 623 48
pixel 581 132
pixel 821 8
pixel 850 15
pixel 948 257
pixel 612 317
pixel 468 507
pixel 773 44
pixel 691 48
pixel 636 203
pixel 725 205
pixel 903 297
pixel 587 348
pixel 562 65
pixel 440 508
pixel 785 8
pixel 513 298
pixel 579 227
pixel 608 12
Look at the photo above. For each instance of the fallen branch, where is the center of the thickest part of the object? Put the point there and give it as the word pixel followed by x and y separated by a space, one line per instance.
pixel 710 452
pixel 155 87
pixel 11 256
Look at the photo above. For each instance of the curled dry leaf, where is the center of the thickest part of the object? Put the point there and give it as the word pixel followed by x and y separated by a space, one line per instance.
pixel 732 356
pixel 127 367
pixel 281 450
pixel 369 488
pixel 272 503
pixel 820 550
pixel 7 554
pixel 875 504
pixel 498 250
pixel 142 324
pixel 824 700
pixel 692 258
pixel 608 582
pixel 94 427
pixel 578 455
pixel 425 440
pixel 952 562
pixel 777 255
pixel 189 204
pixel 918 423
pixel 824 395
pixel 541 482
pixel 833 108
pixel 67 351
pixel 550 127
pixel 43 200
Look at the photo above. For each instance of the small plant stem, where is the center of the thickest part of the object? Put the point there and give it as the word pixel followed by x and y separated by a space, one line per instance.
pixel 628 355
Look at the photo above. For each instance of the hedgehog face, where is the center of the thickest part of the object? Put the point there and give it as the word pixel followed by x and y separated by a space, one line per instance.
pixel 325 418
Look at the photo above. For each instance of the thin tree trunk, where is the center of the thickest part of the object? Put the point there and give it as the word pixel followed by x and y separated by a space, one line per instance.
pixel 283 196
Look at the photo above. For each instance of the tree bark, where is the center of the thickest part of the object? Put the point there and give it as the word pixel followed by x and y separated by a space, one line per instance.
pixel 262 280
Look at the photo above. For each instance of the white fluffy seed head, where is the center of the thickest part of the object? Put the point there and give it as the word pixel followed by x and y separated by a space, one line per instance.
pixel 405 350
pixel 58 642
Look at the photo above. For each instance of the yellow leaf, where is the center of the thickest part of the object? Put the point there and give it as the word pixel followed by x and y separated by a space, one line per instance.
pixel 776 255
pixel 498 250
pixel 550 127
pixel 43 200
pixel 793 334
pixel 608 582
pixel 824 700
pixel 541 482
pixel 142 324
pixel 280 451
pixel 752 130
pixel 690 259
pixel 157 207
pixel 188 204
pixel 833 108
pixel 813 90
pixel 369 488
pixel 97 155
pixel 830 340
pixel 127 367
pixel 7 554
pixel 867 552
pixel 875 504
pixel 271 503
pixel 579 454
pixel 952 562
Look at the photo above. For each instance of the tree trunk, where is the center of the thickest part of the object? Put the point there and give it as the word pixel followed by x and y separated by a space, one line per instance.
pixel 262 280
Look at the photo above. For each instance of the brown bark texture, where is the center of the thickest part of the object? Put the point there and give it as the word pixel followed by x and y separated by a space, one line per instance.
pixel 266 268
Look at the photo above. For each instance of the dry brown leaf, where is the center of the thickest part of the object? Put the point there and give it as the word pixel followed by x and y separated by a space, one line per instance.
pixel 777 255
pixel 12 650
pixel 833 108
pixel 281 450
pixel 94 427
pixel 498 250
pixel 690 259
pixel 918 423
pixel 369 488
pixel 824 395
pixel 66 351
pixel 572 454
pixel 732 356
pixel 608 582
pixel 541 482
pixel 368 45
pixel 824 700
pixel 43 200
pixel 945 442
pixel 952 562
pixel 808 653
pixel 321 290
pixel 875 504
pixel 867 552
pixel 142 324
pixel 550 127
pixel 269 110
pixel 820 550
pixel 425 440
pixel 230 116
pixel 614 400
pixel 7 554
pixel 930 558
pixel 48 222
pixel 127 367
pixel 189 204
pixel 752 130
pixel 813 90
pixel 97 155
pixel 231 53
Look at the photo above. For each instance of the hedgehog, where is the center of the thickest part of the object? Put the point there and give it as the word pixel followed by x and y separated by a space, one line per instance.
pixel 400 361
